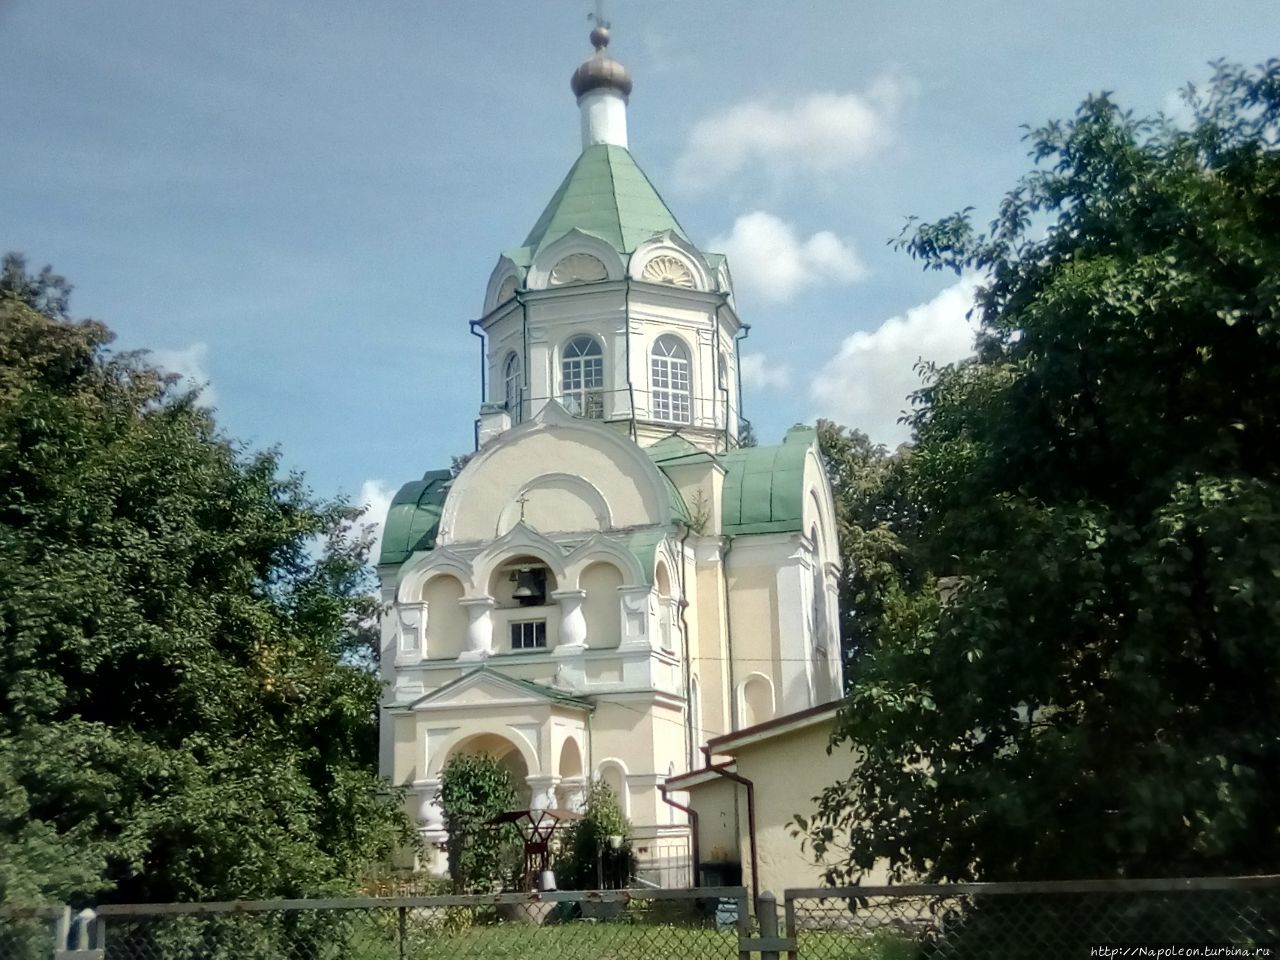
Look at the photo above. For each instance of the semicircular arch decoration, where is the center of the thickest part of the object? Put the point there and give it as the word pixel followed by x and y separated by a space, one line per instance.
pixel 578 268
pixel 667 269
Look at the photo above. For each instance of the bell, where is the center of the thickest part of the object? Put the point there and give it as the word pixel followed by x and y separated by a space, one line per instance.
pixel 526 585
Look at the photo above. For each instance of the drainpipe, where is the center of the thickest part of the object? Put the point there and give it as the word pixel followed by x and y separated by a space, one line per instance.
pixel 693 831
pixel 741 335
pixel 484 380
pixel 724 390
pixel 588 774
pixel 751 820
pixel 524 360
pixel 626 333
pixel 728 634
pixel 690 747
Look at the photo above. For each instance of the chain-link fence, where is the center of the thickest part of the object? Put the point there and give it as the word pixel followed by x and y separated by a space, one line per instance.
pixel 1035 920
pixel 622 924
pixel 31 933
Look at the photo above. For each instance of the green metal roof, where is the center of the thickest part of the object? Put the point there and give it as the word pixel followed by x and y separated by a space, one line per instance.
pixel 764 486
pixel 643 545
pixel 414 517
pixel 673 447
pixel 605 194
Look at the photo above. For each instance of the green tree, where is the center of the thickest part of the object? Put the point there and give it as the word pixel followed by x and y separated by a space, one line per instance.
pixel 186 708
pixel 879 531
pixel 475 788
pixel 1096 695
pixel 588 859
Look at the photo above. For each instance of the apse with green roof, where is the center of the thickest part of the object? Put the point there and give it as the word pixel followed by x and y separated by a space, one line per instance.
pixel 612 577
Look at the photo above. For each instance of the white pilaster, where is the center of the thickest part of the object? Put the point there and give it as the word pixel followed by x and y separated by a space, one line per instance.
pixel 542 792
pixel 573 622
pixel 430 812
pixel 479 627
pixel 634 610
pixel 411 647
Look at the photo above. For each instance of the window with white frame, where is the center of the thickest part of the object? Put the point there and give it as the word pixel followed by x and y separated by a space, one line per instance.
pixel 669 373
pixel 529 635
pixel 582 378
pixel 511 386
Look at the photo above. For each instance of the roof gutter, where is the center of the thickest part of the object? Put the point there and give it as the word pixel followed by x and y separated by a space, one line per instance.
pixel 722 771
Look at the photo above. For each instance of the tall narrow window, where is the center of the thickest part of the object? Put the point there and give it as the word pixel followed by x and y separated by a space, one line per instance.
pixel 670 375
pixel 511 386
pixel 582 378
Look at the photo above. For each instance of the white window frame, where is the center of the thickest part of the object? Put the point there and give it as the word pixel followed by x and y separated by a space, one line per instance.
pixel 527 639
pixel 671 380
pixel 582 377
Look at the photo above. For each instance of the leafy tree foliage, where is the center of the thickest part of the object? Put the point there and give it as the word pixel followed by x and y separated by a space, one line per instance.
pixel 185 705
pixel 588 860
pixel 475 788
pixel 879 532
pixel 1096 694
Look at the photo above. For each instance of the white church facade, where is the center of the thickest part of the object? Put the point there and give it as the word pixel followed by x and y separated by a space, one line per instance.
pixel 612 579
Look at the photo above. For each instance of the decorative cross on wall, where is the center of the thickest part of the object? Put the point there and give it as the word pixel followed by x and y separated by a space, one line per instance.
pixel 522 500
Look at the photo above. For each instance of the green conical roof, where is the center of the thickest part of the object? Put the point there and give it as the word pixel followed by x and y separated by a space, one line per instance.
pixel 605 194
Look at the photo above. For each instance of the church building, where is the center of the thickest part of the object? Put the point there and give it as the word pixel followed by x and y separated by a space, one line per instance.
pixel 613 578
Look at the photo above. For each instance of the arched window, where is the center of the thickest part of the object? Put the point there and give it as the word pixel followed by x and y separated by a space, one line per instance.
pixel 669 369
pixel 511 386
pixel 582 378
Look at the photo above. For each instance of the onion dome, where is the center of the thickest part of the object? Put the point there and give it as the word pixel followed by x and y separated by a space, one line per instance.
pixel 600 70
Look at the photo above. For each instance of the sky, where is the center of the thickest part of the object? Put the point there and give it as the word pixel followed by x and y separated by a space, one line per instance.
pixel 297 204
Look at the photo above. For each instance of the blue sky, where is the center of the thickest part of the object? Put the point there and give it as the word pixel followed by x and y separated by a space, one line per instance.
pixel 300 201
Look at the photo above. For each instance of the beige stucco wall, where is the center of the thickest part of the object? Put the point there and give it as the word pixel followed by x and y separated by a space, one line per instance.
pixel 753 609
pixel 709 654
pixel 718 813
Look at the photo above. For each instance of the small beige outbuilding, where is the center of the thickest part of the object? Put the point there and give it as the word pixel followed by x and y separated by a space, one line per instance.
pixel 781 765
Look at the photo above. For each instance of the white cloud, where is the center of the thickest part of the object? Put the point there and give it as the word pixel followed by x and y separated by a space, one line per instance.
pixel 816 134
pixel 866 384
pixel 191 364
pixel 375 496
pixel 769 258
pixel 759 374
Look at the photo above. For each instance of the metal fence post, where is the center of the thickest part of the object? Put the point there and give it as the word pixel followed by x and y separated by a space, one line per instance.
pixel 400 923
pixel 744 926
